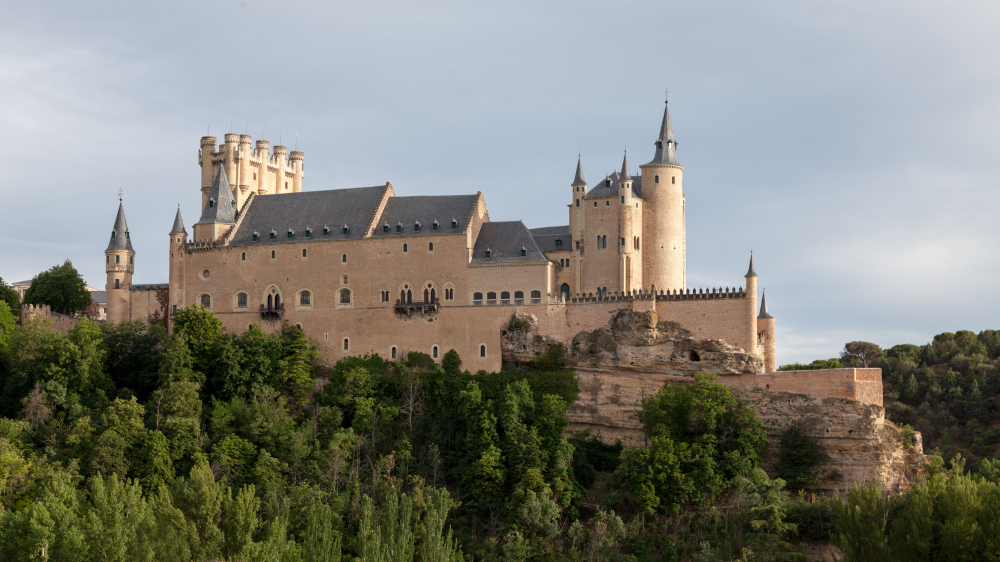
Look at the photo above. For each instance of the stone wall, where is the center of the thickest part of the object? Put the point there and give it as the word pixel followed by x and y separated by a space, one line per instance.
pixel 59 322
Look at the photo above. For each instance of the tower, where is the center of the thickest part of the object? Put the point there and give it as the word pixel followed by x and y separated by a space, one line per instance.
pixel 576 222
pixel 766 337
pixel 630 276
pixel 119 263
pixel 749 343
pixel 178 238
pixel 219 213
pixel 664 255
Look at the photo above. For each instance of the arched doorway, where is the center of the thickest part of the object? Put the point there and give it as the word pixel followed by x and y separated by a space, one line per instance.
pixel 564 289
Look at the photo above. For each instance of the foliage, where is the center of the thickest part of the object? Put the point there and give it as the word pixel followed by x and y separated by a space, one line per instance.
pixel 10 296
pixel 61 287
pixel 800 458
pixel 860 354
pixel 817 364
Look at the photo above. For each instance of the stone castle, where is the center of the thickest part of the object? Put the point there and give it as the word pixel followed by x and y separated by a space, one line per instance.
pixel 362 270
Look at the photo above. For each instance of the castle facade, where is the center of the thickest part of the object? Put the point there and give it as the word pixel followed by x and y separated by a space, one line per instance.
pixel 364 271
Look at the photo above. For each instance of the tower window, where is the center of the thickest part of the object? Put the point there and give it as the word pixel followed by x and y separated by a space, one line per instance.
pixel 404 248
pixel 430 246
pixel 243 256
pixel 113 235
pixel 126 235
pixel 343 258
pixel 482 351
pixel 393 352
pixel 577 202
pixel 117 286
pixel 131 259
pixel 595 203
pixel 657 178
pixel 241 300
pixel 107 259
pixel 211 203
pixel 673 179
pixel 303 252
pixel 435 352
pixel 117 259
pixel 623 241
pixel 254 237
pixel 347 344
pixel 623 198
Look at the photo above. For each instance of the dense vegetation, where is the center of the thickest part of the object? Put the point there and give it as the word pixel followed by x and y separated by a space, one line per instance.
pixel 61 287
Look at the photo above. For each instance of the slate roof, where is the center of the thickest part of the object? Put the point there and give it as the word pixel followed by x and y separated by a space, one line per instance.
pixel 603 190
pixel 624 175
pixel 100 297
pixel 578 179
pixel 220 206
pixel 763 307
pixel 119 235
pixel 666 146
pixel 505 241
pixel 314 209
pixel 546 237
pixel 178 227
pixel 751 272
pixel 408 211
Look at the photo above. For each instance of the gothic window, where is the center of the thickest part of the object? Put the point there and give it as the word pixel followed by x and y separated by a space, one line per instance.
pixel 305 298
pixel 277 302
pixel 241 300
pixel 270 304
pixel 345 296
pixel 206 301
pixel 430 246
pixel 536 297
pixel 656 179
pixel 385 296
pixel 343 258
pixel 347 344
pixel 243 256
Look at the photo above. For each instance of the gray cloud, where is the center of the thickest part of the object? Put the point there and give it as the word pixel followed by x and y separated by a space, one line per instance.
pixel 850 144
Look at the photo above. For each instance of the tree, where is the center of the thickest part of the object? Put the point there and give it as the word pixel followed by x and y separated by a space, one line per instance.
pixel 9 295
pixel 134 355
pixel 202 331
pixel 116 513
pixel 860 354
pixel 61 287
pixel 799 458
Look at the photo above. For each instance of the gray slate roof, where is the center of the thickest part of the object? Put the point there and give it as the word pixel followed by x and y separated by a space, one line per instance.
pixel 603 190
pixel 751 272
pixel 546 237
pixel 505 241
pixel 100 297
pixel 763 307
pixel 119 235
pixel 408 211
pixel 666 146
pixel 624 175
pixel 220 206
pixel 178 227
pixel 314 209
pixel 578 179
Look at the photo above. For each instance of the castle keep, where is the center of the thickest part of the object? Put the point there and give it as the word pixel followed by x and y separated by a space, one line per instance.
pixel 364 271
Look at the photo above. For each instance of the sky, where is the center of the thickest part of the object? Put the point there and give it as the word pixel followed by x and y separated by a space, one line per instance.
pixel 850 145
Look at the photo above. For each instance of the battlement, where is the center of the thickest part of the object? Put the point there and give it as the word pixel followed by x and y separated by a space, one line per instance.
pixel 57 321
pixel 642 295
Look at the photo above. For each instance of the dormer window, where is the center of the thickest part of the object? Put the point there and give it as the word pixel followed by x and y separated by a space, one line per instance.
pixel 291 233
pixel 558 243
pixel 416 227
pixel 346 229
pixel 385 227
pixel 308 232
pixel 255 236
pixel 273 235
pixel 114 234
pixel 399 227
pixel 524 251
pixel 126 235
pixel 211 203
pixel 607 182
pixel 454 223
pixel 659 144
pixel 326 231
pixel 434 225
pixel 489 254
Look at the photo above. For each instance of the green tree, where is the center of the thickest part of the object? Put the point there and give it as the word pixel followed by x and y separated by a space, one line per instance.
pixel 9 295
pixel 133 355
pixel 861 522
pixel 113 518
pixel 8 322
pixel 800 457
pixel 201 331
pixel 200 499
pixel 435 544
pixel 860 354
pixel 240 521
pixel 61 287
pixel 320 542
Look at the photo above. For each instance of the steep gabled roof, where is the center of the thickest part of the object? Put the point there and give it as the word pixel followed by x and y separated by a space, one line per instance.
pixel 604 190
pixel 624 175
pixel 751 272
pixel 220 206
pixel 119 235
pixel 763 307
pixel 546 238
pixel 408 211
pixel 505 240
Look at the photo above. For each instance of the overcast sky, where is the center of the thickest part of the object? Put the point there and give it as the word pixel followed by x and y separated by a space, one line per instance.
pixel 852 145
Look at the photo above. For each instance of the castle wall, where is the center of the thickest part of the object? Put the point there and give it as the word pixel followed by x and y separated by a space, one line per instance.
pixel 664 252
pixel 144 303
pixel 250 169
pixel 43 312
pixel 864 385
pixel 600 265
pixel 711 318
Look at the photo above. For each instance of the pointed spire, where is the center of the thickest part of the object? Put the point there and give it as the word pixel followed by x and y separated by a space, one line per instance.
pixel 119 235
pixel 763 307
pixel 625 176
pixel 178 223
pixel 666 145
pixel 751 272
pixel 221 206
pixel 578 180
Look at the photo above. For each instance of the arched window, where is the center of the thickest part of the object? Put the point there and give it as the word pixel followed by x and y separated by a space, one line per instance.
pixel 343 258
pixel 536 297
pixel 673 179
pixel 518 297
pixel 303 252
pixel 272 254
pixel 491 298
pixel 404 248
pixel 347 344
pixel 345 296
pixel 206 301
pixel 427 296
pixel 505 298
pixel 604 241
pixel 243 257
pixel 482 351
pixel 433 295
pixel 656 179
pixel 430 246
pixel 393 352
pixel 564 289
pixel 277 302
pixel 477 298
pixel 241 300
pixel 270 304
pixel 434 352
pixel 305 298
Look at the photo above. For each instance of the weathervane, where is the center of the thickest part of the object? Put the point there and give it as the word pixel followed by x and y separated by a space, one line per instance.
pixel 120 194
pixel 666 96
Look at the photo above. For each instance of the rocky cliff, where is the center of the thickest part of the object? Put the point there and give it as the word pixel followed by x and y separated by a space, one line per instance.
pixel 635 354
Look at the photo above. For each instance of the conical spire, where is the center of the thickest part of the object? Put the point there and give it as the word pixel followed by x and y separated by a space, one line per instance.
pixel 578 180
pixel 763 307
pixel 178 223
pixel 751 272
pixel 625 176
pixel 666 146
pixel 119 235
pixel 220 207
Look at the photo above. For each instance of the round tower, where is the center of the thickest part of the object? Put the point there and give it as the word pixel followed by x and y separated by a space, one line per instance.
pixel 749 343
pixel 178 239
pixel 281 183
pixel 577 222
pixel 263 153
pixel 205 156
pixel 119 264
pixel 627 278
pixel 295 158
pixel 664 255
pixel 766 337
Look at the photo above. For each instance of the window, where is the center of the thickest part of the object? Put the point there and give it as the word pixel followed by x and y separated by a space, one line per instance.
pixel 623 199
pixel 206 274
pixel 399 227
pixel 518 297
pixel 623 241
pixel 393 352
pixel 577 244
pixel 326 231
pixel 113 235
pixel 434 353
pixel 305 298
pixel 343 258
pixel 303 252
pixel 595 203
pixel 286 185
pixel 308 232
pixel 564 289
pixel 206 301
pixel 577 202
pixel 454 223
pixel 291 233
pixel 558 243
pixel 607 203
pixel 482 351
pixel 505 298
pixel 273 234
pixel 131 259
pixel 243 256
pixel 174 309
pixel 656 179
pixel 254 237
pixel 604 241
pixel 488 253
pixel 416 227
pixel 477 299
pixel 347 344
pixel 673 180
pixel 107 259
pixel 211 203
pixel 346 230
pixel 384 295
pixel 345 296
pixel 607 182
pixel 524 251
pixel 430 246
pixel 491 298
pixel 272 254
pixel 241 300
pixel 117 259
pixel 116 284
pixel 536 297
pixel 385 228
pixel 345 280
pixel 404 248
pixel 449 294
pixel 434 225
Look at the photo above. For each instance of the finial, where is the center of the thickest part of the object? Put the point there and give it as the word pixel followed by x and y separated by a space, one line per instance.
pixel 751 272
pixel 120 192
pixel 666 96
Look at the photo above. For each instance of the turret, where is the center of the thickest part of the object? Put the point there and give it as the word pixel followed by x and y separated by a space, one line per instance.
pixel 295 163
pixel 750 337
pixel 630 272
pixel 263 153
pixel 664 245
pixel 178 239
pixel 205 157
pixel 766 338
pixel 281 183
pixel 219 212
pixel 119 264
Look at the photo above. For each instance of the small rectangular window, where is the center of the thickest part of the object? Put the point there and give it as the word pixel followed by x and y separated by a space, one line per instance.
pixel 454 224
pixel 326 232
pixel 272 236
pixel 254 237
pixel 385 228
pixel 434 226
pixel 308 233
pixel 399 228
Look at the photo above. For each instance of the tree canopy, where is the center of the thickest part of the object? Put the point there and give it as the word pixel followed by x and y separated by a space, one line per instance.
pixel 61 287
pixel 9 295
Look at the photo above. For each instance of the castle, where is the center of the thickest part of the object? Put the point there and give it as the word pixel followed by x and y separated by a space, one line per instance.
pixel 361 270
